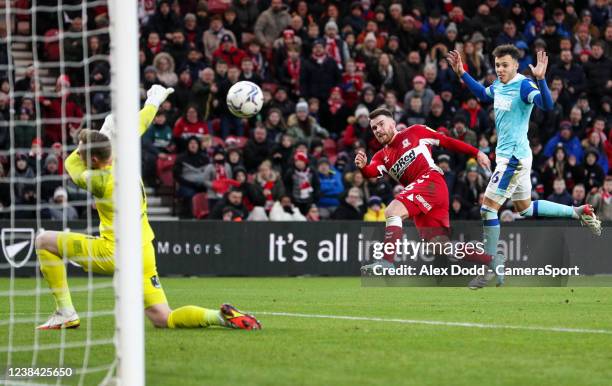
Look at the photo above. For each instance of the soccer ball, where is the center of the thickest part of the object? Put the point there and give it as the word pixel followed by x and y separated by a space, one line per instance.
pixel 244 99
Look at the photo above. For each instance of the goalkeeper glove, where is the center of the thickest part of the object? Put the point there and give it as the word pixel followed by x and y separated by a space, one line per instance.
pixel 108 127
pixel 157 94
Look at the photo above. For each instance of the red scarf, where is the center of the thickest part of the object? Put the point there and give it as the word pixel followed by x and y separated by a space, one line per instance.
pixel 220 171
pixel 334 105
pixel 473 115
pixel 332 50
pixel 294 72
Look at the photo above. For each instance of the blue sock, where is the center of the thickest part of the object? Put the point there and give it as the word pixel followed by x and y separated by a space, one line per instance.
pixel 490 226
pixel 545 208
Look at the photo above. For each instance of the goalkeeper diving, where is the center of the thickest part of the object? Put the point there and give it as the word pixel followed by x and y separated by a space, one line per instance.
pixel 90 167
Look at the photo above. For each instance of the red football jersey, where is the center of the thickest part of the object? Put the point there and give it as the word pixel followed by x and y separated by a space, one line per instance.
pixel 408 155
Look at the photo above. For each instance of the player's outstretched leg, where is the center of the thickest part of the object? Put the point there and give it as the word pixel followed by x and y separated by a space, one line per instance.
pixel 491 230
pixel 54 271
pixel 199 317
pixel 584 213
pixel 393 232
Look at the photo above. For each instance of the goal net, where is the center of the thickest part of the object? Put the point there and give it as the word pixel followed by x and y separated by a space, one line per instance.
pixel 58 78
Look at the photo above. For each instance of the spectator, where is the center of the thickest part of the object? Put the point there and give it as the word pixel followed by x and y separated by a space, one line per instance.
pixel 252 198
pixel 25 175
pixel 248 71
pixel 213 35
pixel 62 106
pixel 351 207
pixel 51 179
pixel 231 202
pixel 257 149
pixel 188 172
pixel 313 214
pixel 228 52
pixel 567 139
pixel 281 153
pixel 271 23
pixel 457 209
pixel 560 194
pixel 415 114
pixel 205 92
pixel 425 94
pixel 359 129
pixel 598 71
pixel 218 177
pixel 268 184
pixel 593 140
pixel 164 67
pixel 164 21
pixel 579 195
pixel 189 125
pixel 301 183
pixel 302 126
pixel 437 116
pixel 461 132
pixel 590 173
pixel 559 165
pixel 319 74
pixel 178 46
pixel 289 72
pixel 274 124
pixel 246 14
pixel 193 63
pixel 5 190
pixel 60 208
pixel 601 199
pixel 449 174
pixel 331 188
pixel 25 129
pixel 282 102
pixel 284 210
pixel 375 211
pixel 469 186
pixel 334 113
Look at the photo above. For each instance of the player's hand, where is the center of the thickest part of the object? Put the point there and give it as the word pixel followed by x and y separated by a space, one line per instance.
pixel 157 94
pixel 454 59
pixel 539 71
pixel 484 161
pixel 108 127
pixel 361 160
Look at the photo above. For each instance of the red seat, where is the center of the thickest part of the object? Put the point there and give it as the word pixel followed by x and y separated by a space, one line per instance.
pixel 218 141
pixel 199 205
pixel 165 164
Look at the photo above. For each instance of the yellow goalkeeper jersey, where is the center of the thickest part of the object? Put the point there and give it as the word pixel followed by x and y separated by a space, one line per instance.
pixel 100 182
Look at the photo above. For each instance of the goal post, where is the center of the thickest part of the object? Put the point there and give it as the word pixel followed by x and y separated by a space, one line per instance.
pixel 127 194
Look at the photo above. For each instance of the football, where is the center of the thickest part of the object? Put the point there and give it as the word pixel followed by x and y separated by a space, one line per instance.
pixel 244 99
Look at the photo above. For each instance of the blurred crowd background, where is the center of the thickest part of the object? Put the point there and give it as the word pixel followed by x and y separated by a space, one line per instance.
pixel 322 66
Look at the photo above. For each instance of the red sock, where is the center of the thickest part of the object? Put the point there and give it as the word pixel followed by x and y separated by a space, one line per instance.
pixel 478 257
pixel 393 232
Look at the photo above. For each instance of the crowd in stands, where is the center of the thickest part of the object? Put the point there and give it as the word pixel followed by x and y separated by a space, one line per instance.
pixel 323 66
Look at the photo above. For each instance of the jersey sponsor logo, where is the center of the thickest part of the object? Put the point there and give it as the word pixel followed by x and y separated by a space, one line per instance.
pixel 424 202
pixel 397 170
pixel 155 281
pixel 14 243
pixel 502 103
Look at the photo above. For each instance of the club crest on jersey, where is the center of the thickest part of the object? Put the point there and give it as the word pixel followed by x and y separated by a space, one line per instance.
pixel 405 143
pixel 402 164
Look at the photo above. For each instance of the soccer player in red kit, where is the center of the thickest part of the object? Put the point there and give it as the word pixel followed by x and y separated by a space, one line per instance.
pixel 406 157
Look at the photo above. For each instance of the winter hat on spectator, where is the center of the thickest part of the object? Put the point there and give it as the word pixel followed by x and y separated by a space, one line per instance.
pixel 331 25
pixel 361 110
pixel 302 105
pixel 379 9
pixel 150 69
pixel 419 79
pixel 323 160
pixel 374 200
pixel 301 156
pixel 190 16
pixel 565 125
pixel 452 27
pixel 51 159
pixel 319 42
pixel 477 37
pixel 226 39
pixel 60 192
pixel 539 42
pixel 369 36
pixel 537 10
pixel 37 141
pixel 444 158
pixel 521 45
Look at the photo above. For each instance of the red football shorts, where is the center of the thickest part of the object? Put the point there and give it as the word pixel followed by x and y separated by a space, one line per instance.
pixel 426 200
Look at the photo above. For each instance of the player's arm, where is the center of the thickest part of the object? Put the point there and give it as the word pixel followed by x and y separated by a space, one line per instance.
pixel 93 181
pixel 456 146
pixel 456 63
pixel 375 168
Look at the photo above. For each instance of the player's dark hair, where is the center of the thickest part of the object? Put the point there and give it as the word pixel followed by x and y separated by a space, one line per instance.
pixel 506 49
pixel 381 111
pixel 96 144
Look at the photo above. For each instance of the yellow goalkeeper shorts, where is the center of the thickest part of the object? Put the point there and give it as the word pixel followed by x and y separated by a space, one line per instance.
pixel 98 255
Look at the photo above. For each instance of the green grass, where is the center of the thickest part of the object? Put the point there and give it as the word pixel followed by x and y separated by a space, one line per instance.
pixel 308 351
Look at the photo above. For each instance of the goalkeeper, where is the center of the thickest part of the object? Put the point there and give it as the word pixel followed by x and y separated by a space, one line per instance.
pixel 90 167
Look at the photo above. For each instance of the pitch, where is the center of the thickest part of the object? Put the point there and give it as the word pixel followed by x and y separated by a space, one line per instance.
pixel 331 331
